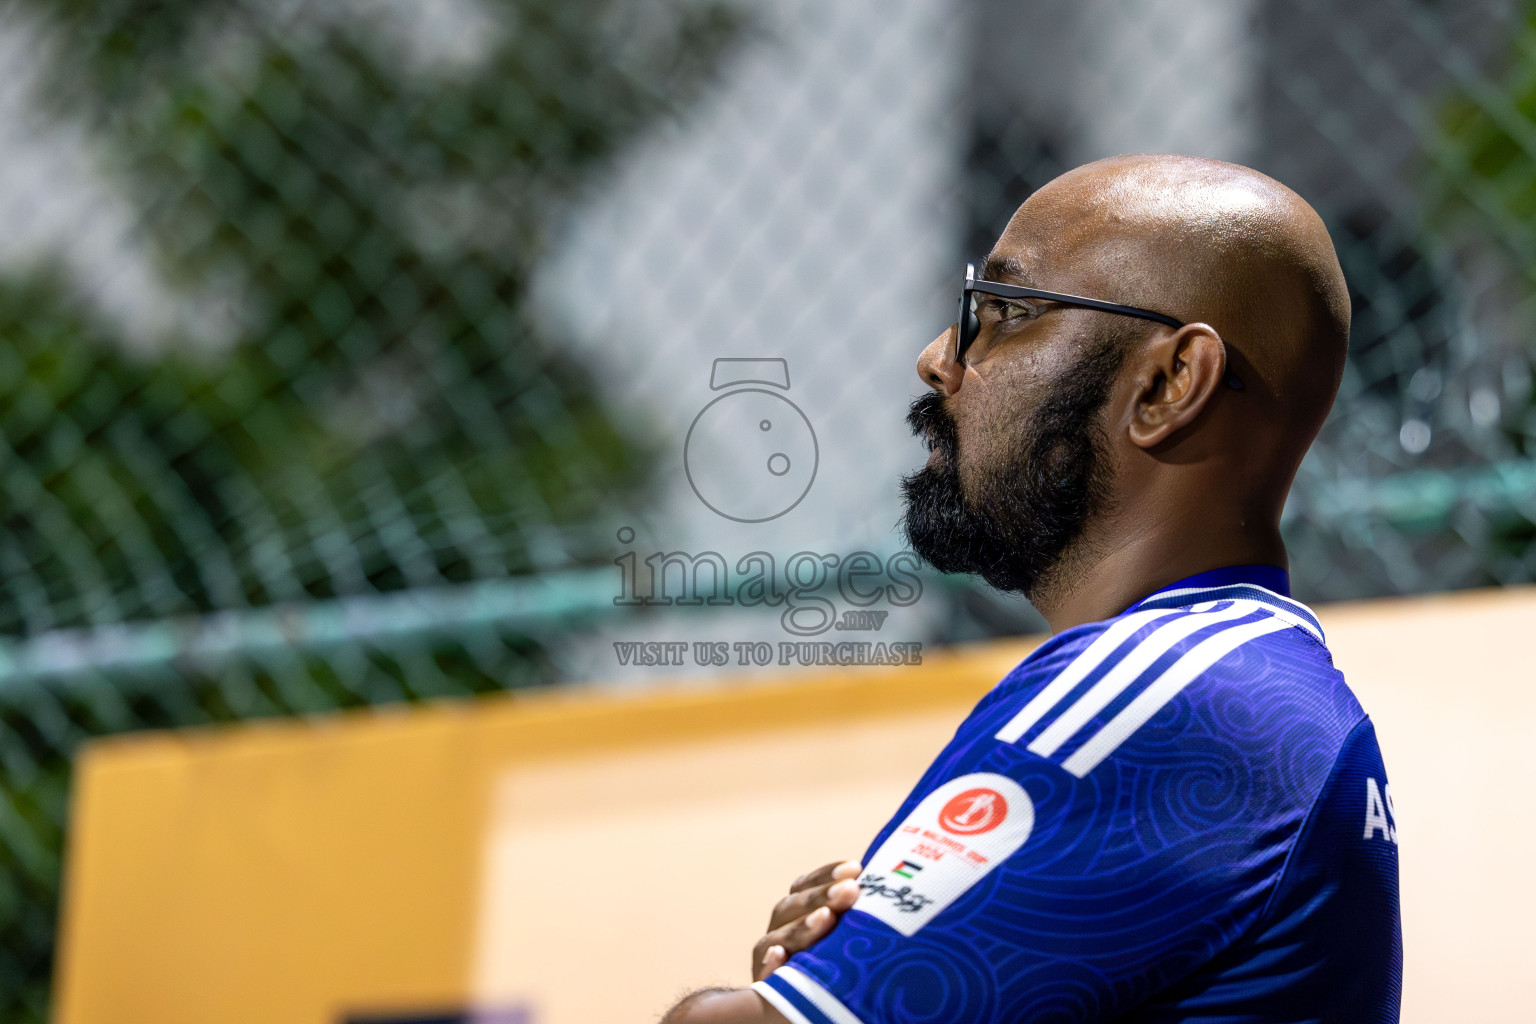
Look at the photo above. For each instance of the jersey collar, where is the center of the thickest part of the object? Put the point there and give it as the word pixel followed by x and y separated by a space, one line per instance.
pixel 1266 584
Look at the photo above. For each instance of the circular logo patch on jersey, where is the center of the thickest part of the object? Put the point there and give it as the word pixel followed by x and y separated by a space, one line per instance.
pixel 974 811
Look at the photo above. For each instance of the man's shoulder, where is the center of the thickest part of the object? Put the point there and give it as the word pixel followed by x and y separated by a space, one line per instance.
pixel 1251 676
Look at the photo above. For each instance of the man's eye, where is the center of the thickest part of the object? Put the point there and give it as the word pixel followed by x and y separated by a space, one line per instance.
pixel 1011 310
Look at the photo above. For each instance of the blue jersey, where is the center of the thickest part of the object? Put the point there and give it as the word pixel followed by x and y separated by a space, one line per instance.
pixel 1178 814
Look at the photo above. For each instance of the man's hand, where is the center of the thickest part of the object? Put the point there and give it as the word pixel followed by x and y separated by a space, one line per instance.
pixel 806 915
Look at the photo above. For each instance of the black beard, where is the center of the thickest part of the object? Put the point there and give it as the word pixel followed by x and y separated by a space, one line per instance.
pixel 1030 505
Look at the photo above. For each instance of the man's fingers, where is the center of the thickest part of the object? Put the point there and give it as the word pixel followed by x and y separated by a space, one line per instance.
pixel 810 891
pixel 824 874
pixel 847 869
pixel 797 905
pixel 808 913
pixel 807 931
pixel 774 958
pixel 792 938
pixel 842 894
pixel 838 895
pixel 821 876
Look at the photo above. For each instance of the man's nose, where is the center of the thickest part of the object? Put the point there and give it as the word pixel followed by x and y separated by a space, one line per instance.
pixel 937 365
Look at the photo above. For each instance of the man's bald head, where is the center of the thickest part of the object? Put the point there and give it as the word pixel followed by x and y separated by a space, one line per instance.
pixel 1074 441
pixel 1203 241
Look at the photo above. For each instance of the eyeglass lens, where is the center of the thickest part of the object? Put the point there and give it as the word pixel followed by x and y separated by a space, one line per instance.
pixel 968 327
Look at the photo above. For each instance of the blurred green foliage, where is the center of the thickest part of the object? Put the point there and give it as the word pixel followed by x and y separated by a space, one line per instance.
pixel 1485 160
pixel 1482 203
pixel 371 406
pixel 385 414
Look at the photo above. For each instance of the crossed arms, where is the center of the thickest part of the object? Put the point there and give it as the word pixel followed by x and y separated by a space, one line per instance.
pixel 799 920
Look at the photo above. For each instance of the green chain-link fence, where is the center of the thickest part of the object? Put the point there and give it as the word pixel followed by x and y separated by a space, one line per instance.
pixel 294 436
pixel 359 405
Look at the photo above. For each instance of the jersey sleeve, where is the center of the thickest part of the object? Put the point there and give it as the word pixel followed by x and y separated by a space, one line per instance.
pixel 1012 888
pixel 1332 929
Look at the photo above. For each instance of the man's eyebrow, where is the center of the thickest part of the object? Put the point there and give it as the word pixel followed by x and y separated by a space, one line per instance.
pixel 1006 268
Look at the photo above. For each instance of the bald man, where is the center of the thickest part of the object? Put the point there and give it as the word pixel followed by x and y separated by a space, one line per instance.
pixel 1174 809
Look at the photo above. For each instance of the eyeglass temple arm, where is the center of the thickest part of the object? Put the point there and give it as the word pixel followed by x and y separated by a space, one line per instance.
pixel 1015 291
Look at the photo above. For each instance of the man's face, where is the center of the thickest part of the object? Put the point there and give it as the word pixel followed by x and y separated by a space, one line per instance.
pixel 1019 458
pixel 1009 511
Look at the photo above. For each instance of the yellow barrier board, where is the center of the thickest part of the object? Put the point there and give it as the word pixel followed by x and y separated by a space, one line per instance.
pixel 568 859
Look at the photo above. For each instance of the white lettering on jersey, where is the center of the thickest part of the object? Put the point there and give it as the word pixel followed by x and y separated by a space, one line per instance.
pixel 1379 817
pixel 949 842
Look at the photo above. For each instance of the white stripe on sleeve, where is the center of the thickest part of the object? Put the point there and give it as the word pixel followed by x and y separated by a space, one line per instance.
pixel 1094 655
pixel 1300 614
pixel 1167 686
pixel 1127 672
pixel 817 996
pixel 775 999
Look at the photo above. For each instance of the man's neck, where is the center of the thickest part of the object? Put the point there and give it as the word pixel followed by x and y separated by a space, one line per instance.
pixel 1100 578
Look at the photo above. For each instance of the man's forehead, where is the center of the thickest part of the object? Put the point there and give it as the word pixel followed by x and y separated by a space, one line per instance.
pixel 1041 267
pixel 1040 260
pixel 1067 236
pixel 1006 266
pixel 1047 235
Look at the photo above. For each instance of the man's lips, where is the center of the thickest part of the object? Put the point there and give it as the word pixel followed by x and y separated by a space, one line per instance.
pixel 932 425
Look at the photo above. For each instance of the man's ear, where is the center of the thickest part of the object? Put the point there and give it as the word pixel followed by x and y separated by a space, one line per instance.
pixel 1178 372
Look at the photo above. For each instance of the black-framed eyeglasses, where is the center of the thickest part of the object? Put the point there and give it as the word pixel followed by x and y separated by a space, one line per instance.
pixel 970 324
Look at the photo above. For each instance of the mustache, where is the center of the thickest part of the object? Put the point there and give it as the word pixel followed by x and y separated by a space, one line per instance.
pixel 932 422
